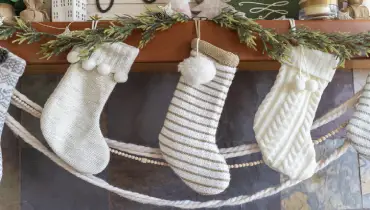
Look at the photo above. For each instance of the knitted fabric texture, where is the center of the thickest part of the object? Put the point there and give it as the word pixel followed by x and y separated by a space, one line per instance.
pixel 70 119
pixel 11 68
pixel 283 121
pixel 187 139
pixel 358 129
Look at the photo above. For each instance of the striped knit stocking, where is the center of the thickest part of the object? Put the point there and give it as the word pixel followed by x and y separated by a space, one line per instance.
pixel 187 139
pixel 70 119
pixel 358 129
pixel 283 120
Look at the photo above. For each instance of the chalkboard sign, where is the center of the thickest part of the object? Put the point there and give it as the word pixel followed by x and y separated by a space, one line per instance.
pixel 267 9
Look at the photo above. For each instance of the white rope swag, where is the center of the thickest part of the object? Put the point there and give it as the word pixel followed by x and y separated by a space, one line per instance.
pixel 22 102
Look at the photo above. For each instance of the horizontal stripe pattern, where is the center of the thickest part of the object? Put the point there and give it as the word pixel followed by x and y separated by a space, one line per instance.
pixel 211 95
pixel 358 129
pixel 187 146
pixel 190 120
pixel 187 139
pixel 183 94
pixel 204 128
pixel 208 167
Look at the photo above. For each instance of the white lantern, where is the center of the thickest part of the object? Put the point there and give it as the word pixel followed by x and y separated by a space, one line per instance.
pixel 69 10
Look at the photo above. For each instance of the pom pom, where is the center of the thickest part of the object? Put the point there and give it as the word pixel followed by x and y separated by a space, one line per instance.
pixel 104 69
pixel 120 77
pixel 312 85
pixel 3 55
pixel 197 70
pixel 73 57
pixel 300 83
pixel 88 65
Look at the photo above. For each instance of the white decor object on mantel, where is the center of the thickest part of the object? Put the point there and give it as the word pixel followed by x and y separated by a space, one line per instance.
pixel 68 10
pixel 181 6
pixel 366 3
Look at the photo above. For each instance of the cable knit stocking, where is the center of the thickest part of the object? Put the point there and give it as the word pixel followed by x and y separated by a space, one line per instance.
pixel 283 120
pixel 70 119
pixel 358 129
pixel 11 68
pixel 187 139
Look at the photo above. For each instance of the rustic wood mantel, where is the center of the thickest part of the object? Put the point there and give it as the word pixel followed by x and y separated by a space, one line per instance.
pixel 172 46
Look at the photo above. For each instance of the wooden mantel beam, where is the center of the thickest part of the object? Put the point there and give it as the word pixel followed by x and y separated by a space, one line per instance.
pixel 172 46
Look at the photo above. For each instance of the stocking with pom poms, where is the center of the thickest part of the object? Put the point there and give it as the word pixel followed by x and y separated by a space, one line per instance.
pixel 283 121
pixel 70 119
pixel 187 139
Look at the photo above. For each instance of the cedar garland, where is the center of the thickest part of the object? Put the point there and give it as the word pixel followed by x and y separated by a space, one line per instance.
pixel 343 45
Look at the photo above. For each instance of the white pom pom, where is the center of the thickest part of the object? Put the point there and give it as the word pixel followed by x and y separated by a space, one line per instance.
pixel 88 65
pixel 73 57
pixel 197 70
pixel 120 77
pixel 300 83
pixel 312 85
pixel 104 69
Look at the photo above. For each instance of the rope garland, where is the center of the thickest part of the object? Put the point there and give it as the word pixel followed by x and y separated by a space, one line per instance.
pixel 239 165
pixel 22 102
pixel 34 142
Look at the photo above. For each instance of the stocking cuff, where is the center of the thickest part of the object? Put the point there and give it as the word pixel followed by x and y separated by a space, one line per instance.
pixel 119 56
pixel 221 56
pixel 314 62
pixel 12 64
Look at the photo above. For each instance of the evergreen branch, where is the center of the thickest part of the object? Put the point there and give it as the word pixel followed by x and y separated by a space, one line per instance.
pixel 26 33
pixel 6 32
pixel 149 23
pixel 274 44
pixel 342 45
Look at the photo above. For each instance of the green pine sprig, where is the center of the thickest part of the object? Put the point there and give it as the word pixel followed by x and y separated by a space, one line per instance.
pixel 149 23
pixel 344 46
pixel 248 31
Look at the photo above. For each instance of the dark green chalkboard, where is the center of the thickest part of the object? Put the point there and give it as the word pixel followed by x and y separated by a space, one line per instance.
pixel 267 9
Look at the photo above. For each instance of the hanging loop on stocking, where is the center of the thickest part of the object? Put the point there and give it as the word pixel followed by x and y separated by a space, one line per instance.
pixel 302 82
pixel 91 64
pixel 292 24
pixel 94 24
pixel 197 28
pixel 198 69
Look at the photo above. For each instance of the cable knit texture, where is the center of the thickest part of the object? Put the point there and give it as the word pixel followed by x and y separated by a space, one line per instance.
pixel 187 139
pixel 358 129
pixel 283 121
pixel 11 68
pixel 70 119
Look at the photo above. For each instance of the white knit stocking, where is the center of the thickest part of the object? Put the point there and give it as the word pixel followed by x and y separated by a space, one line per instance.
pixel 11 68
pixel 358 129
pixel 70 119
pixel 283 121
pixel 187 139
